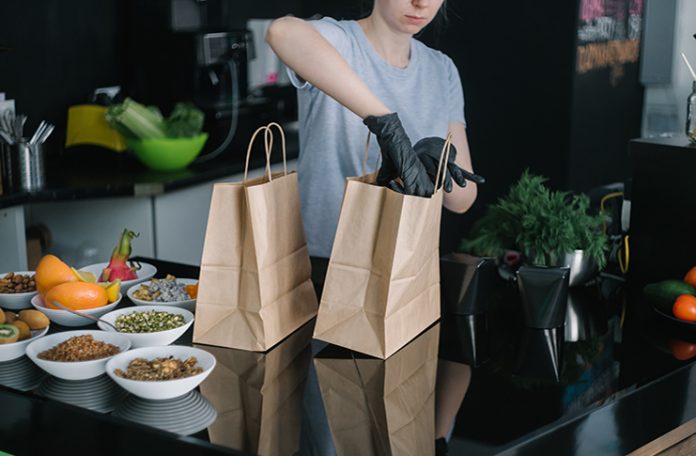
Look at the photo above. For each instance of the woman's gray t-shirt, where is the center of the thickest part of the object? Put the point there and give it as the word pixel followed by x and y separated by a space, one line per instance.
pixel 427 95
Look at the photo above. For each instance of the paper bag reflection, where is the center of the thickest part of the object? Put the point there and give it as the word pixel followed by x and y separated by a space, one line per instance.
pixel 382 407
pixel 258 396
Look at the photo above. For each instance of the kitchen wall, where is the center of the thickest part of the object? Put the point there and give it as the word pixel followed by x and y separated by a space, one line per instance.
pixel 515 61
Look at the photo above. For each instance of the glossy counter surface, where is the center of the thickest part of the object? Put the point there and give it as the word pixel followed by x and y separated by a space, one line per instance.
pixel 606 383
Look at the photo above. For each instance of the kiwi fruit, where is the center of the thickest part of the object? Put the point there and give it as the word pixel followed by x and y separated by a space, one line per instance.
pixel 8 334
pixel 24 331
pixel 10 316
pixel 34 318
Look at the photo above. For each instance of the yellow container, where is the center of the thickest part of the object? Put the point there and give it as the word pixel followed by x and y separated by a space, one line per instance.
pixel 87 125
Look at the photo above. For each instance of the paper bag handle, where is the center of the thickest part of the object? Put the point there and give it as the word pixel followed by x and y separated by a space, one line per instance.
pixel 441 170
pixel 364 163
pixel 268 145
pixel 442 165
pixel 282 142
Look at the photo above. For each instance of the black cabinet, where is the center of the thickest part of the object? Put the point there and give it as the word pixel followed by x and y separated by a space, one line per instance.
pixel 663 209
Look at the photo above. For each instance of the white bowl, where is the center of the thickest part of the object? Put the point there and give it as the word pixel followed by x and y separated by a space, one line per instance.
pixel 15 350
pixel 16 301
pixel 149 339
pixel 67 318
pixel 162 389
pixel 74 370
pixel 146 272
pixel 189 304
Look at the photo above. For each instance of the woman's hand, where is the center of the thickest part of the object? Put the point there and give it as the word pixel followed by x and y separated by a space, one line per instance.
pixel 429 151
pixel 399 160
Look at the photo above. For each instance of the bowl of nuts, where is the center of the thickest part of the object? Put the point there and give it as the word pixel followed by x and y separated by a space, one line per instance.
pixel 17 289
pixel 148 326
pixel 76 355
pixel 170 291
pixel 161 372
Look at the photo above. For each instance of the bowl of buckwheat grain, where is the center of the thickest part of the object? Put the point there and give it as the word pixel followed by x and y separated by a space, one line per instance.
pixel 160 372
pixel 17 289
pixel 148 326
pixel 77 355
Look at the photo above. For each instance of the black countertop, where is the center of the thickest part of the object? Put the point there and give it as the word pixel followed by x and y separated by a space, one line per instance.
pixel 616 378
pixel 85 172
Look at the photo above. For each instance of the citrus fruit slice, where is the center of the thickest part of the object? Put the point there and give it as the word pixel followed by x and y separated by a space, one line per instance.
pixel 84 276
pixel 113 289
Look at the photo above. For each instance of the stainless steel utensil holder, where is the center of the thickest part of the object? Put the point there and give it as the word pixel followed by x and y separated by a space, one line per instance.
pixel 23 167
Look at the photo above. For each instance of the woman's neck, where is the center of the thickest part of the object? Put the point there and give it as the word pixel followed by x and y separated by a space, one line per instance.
pixel 393 47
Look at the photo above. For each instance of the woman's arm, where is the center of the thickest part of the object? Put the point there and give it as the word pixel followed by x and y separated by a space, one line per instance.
pixel 460 199
pixel 301 47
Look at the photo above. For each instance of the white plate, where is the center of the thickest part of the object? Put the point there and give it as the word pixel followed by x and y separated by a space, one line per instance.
pixel 163 389
pixel 66 318
pixel 149 339
pixel 17 301
pixel 146 272
pixel 16 350
pixel 75 370
pixel 189 304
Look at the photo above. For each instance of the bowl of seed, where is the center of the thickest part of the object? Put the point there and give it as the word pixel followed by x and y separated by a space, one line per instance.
pixel 148 326
pixel 76 355
pixel 170 291
pixel 161 372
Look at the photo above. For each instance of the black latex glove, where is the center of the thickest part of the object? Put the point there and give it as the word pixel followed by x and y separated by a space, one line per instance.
pixel 399 160
pixel 428 151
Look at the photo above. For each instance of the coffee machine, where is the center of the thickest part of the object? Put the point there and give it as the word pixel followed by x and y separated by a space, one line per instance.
pixel 179 50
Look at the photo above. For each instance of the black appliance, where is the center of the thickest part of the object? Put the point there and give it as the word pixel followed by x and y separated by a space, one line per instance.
pixel 178 50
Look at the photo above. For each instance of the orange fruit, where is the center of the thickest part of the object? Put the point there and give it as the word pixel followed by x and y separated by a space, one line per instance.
pixel 682 350
pixel 51 271
pixel 690 277
pixel 77 295
pixel 192 290
pixel 684 307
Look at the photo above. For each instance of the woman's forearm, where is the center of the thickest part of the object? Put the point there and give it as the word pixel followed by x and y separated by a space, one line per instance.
pixel 301 47
pixel 460 199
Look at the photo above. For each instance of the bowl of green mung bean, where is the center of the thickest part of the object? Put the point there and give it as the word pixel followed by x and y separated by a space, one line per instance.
pixel 148 326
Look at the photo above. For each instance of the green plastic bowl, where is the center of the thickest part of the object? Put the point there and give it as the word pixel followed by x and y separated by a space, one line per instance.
pixel 168 154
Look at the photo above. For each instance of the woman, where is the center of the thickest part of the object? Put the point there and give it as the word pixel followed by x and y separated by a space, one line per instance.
pixel 372 72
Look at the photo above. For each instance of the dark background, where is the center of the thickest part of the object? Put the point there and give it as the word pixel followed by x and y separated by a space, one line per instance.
pixel 525 106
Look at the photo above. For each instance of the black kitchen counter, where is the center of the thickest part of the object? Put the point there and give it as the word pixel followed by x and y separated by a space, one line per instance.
pixel 85 172
pixel 616 378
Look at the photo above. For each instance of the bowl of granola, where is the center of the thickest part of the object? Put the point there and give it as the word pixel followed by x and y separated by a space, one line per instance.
pixel 76 355
pixel 160 372
pixel 170 291
pixel 17 289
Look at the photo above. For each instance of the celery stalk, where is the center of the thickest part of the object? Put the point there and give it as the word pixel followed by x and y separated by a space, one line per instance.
pixel 136 119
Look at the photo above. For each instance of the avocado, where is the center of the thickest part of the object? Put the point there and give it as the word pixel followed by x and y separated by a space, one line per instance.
pixel 662 294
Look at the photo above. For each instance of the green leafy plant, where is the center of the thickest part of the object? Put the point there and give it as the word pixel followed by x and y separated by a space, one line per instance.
pixel 541 223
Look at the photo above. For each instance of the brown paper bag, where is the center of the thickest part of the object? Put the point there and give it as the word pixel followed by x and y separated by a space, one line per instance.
pixel 258 396
pixel 255 282
pixel 382 407
pixel 382 286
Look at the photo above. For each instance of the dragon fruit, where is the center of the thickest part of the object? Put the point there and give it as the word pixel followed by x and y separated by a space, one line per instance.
pixel 119 267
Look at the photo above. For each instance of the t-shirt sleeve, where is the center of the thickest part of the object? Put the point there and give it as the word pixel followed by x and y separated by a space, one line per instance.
pixel 456 94
pixel 332 31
